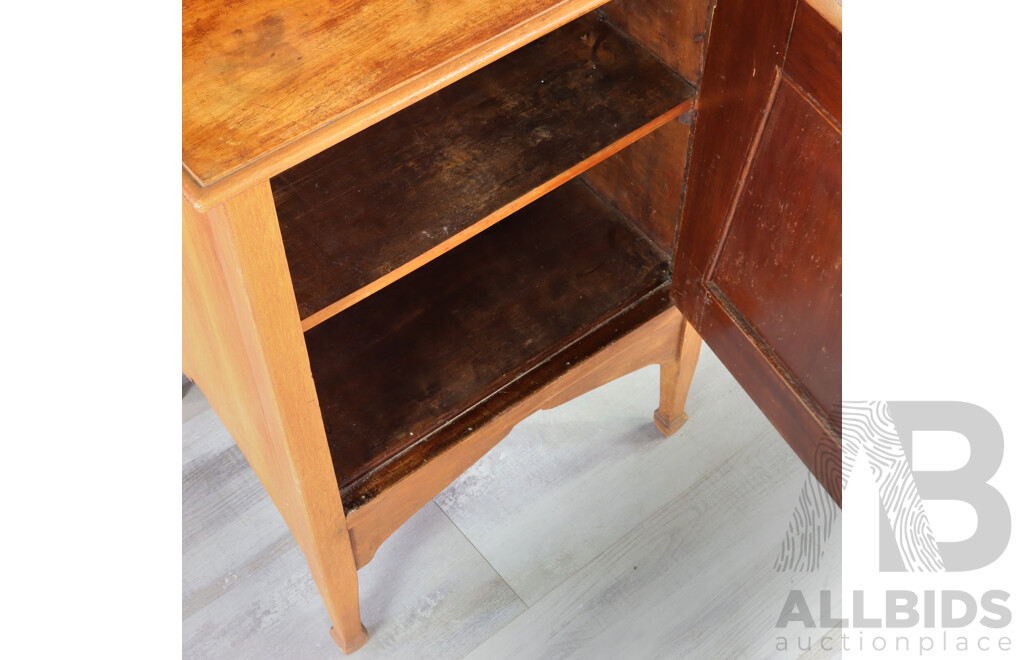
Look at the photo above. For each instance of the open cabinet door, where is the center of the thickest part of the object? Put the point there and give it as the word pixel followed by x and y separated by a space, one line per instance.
pixel 758 264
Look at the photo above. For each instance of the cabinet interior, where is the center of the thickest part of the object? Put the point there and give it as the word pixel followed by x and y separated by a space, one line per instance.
pixel 488 233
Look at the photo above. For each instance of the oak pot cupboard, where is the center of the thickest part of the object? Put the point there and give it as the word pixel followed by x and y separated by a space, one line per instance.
pixel 409 225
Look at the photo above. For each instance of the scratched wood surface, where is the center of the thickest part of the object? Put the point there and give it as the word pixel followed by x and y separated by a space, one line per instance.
pixel 401 192
pixel 704 585
pixel 783 270
pixel 280 80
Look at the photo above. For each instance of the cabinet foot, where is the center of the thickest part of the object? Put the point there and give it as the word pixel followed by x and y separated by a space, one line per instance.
pixel 668 427
pixel 676 375
pixel 352 645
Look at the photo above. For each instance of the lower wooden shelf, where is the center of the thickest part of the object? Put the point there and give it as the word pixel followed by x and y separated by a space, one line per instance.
pixel 395 368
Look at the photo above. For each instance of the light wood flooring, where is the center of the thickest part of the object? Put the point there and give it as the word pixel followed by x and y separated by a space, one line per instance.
pixel 584 534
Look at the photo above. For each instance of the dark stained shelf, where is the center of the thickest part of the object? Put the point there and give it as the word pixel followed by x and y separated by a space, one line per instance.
pixel 387 200
pixel 399 365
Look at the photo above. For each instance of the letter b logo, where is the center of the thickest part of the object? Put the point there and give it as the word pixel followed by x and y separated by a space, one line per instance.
pixel 967 484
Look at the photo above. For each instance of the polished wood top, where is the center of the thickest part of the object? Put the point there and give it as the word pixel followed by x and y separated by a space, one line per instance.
pixel 269 83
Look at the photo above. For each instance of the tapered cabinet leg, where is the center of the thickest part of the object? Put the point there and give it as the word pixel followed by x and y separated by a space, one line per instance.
pixel 243 345
pixel 333 566
pixel 676 375
pixel 334 572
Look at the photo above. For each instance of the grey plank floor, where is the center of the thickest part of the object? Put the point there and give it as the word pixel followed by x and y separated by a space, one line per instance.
pixel 584 534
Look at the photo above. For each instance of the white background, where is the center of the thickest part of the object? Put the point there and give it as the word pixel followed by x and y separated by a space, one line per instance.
pixel 91 262
pixel 90 252
pixel 932 251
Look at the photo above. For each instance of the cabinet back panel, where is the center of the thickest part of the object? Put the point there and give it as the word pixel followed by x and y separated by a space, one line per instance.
pixel 674 30
pixel 645 181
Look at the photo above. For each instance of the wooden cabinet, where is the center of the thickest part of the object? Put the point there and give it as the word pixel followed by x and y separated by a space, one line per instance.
pixel 407 226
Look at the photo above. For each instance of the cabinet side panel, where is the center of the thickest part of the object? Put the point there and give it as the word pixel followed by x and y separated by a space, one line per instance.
pixel 215 357
pixel 243 345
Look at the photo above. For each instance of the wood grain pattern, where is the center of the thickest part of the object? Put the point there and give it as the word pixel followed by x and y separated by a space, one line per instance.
pixel 815 60
pixel 378 505
pixel 801 422
pixel 267 84
pixel 674 30
pixel 243 346
pixel 389 199
pixel 247 591
pixel 830 10
pixel 746 44
pixel 403 362
pixel 645 180
pixel 216 484
pixel 415 383
pixel 781 264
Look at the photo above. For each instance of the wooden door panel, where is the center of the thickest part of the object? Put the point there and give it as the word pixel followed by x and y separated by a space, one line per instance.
pixel 780 264
pixel 775 392
pixel 815 60
pixel 745 38
pixel 758 267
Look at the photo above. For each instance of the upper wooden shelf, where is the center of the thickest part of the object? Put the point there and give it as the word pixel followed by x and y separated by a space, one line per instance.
pixel 269 83
pixel 372 209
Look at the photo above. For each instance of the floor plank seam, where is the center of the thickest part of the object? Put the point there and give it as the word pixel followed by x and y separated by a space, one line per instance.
pixel 482 555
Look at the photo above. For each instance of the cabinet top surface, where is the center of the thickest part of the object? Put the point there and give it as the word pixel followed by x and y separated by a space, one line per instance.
pixel 260 75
